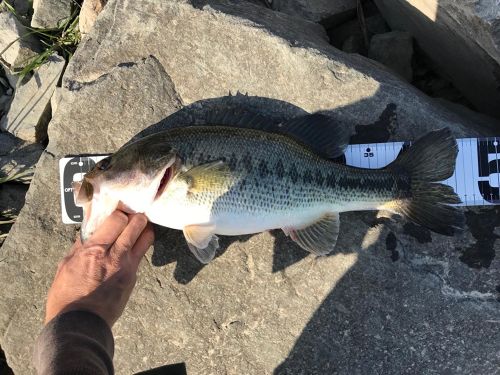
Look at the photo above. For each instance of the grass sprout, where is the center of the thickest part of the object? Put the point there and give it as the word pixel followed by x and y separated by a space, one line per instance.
pixel 18 176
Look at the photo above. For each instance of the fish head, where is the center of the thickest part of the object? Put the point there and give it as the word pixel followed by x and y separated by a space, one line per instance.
pixel 130 180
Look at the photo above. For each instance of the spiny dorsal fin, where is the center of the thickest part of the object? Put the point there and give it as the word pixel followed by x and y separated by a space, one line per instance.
pixel 322 134
pixel 206 176
pixel 241 118
pixel 318 238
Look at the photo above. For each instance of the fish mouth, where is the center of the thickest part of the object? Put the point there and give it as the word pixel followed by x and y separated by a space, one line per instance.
pixel 168 175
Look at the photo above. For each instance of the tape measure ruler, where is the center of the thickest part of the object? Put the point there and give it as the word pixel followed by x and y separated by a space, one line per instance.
pixel 476 179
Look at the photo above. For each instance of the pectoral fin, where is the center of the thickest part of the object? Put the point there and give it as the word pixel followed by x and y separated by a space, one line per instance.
pixel 202 241
pixel 206 176
pixel 320 237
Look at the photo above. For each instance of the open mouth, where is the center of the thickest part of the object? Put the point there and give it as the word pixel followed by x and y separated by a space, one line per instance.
pixel 167 176
pixel 164 181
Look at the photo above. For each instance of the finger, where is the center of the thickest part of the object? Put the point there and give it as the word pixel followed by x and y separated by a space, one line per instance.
pixel 129 236
pixel 144 242
pixel 107 233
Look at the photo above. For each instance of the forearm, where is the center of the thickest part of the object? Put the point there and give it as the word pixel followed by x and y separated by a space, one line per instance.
pixel 76 342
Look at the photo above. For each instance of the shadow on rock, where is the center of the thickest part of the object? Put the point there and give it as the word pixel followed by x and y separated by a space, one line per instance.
pixel 383 318
pixel 170 246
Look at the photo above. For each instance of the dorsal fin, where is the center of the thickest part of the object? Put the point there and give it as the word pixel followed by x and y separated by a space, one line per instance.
pixel 241 118
pixel 322 134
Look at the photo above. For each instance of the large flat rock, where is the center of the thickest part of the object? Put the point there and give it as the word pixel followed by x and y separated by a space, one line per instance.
pixel 394 298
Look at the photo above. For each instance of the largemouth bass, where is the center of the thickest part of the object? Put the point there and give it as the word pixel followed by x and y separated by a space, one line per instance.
pixel 233 180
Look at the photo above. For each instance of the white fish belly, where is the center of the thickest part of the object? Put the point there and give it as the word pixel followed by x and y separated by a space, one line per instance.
pixel 233 224
pixel 177 215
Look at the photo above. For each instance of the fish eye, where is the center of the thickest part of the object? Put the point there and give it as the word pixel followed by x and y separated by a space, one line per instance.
pixel 104 164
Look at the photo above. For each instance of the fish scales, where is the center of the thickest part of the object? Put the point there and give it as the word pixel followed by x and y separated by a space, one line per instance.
pixel 271 172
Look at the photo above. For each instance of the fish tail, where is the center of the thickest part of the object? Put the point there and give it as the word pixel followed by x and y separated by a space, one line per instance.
pixel 429 160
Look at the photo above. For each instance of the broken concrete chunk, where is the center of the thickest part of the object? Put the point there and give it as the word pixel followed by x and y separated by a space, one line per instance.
pixel 394 50
pixel 462 38
pixel 88 14
pixel 29 111
pixel 17 47
pixel 49 14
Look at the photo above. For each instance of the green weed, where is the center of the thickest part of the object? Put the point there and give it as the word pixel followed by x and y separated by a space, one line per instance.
pixel 63 40
pixel 17 176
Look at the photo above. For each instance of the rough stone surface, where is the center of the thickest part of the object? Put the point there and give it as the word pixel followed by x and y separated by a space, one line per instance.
pixel 15 54
pixel 48 14
pixel 18 157
pixel 393 299
pixel 394 50
pixel 313 10
pixel 463 39
pixel 88 14
pixel 30 110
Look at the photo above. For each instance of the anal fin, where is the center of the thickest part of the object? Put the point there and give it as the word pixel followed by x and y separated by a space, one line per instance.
pixel 318 238
pixel 202 241
pixel 208 253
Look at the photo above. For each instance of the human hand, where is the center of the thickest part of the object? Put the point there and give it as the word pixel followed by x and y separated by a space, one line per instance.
pixel 99 275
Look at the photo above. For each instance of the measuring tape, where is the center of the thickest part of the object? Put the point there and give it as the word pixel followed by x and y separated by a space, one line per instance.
pixel 476 179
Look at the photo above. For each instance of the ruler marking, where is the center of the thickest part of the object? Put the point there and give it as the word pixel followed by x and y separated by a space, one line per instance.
pixel 461 152
pixel 495 143
pixel 478 147
pixel 385 153
pixel 473 174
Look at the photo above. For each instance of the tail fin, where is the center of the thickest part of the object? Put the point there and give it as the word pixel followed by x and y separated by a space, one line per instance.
pixel 429 160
